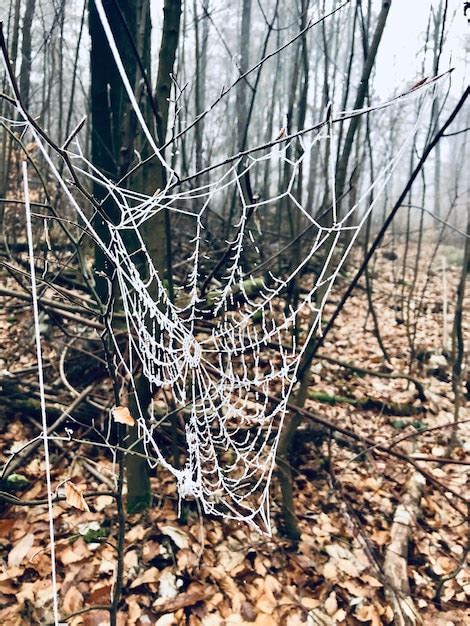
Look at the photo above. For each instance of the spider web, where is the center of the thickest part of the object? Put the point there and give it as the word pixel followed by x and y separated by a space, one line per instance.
pixel 228 355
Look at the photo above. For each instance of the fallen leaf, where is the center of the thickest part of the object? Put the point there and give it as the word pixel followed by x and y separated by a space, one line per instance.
pixel 331 604
pixel 181 601
pixel 149 576
pixel 180 538
pixel 330 571
pixel 168 585
pixel 20 550
pixel 348 567
pixel 266 604
pixel 134 611
pixel 73 600
pixel 100 595
pixel 367 613
pixel 229 558
pixel 5 526
pixel 74 553
pixel 340 615
pixel 167 620
pixel 101 502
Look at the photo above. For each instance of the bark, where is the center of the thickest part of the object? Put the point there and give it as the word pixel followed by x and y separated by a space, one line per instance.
pixel 396 556
pixel 342 165
pixel 200 77
pixel 25 72
pixel 113 139
pixel 458 339
pixel 156 231
pixel 242 88
pixel 109 110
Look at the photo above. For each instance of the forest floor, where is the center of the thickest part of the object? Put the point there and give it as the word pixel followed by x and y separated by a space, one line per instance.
pixel 212 573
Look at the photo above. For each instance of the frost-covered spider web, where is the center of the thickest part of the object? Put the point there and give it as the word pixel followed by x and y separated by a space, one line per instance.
pixel 225 350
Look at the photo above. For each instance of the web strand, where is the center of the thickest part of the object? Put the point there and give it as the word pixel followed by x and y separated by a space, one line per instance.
pixel 37 335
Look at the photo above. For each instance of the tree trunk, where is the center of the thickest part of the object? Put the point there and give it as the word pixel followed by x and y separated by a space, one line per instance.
pixel 242 88
pixel 342 165
pixel 156 231
pixel 25 72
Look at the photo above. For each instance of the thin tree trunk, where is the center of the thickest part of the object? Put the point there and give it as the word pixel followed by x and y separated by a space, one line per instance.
pixel 342 165
pixel 458 339
pixel 25 72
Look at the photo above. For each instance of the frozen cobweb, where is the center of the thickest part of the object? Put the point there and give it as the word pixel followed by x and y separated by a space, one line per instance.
pixel 228 354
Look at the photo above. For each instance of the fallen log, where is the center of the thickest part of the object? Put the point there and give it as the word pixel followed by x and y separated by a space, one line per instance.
pixel 361 371
pixel 396 556
pixel 368 404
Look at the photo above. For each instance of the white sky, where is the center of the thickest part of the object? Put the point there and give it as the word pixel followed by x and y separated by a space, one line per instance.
pixel 399 59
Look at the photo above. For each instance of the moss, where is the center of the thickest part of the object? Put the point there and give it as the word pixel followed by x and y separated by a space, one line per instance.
pixel 139 502
pixel 368 404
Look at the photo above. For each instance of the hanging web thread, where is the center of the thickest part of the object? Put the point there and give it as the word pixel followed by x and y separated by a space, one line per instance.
pixel 37 335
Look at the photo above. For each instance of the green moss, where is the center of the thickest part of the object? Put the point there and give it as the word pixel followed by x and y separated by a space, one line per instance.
pixel 139 503
pixel 94 536
pixel 321 396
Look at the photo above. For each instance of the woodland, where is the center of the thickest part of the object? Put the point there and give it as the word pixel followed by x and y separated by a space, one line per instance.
pixel 234 330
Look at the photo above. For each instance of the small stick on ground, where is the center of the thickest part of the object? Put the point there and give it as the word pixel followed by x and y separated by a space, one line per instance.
pixel 396 556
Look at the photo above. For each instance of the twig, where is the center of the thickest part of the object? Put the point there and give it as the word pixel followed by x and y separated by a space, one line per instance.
pixel 88 609
pixel 11 499
pixel 20 457
pixel 361 370
pixel 62 308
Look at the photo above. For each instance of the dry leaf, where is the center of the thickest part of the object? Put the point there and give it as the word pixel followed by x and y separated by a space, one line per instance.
pixel 101 594
pixel 368 613
pixel 330 571
pixel 134 611
pixel 73 600
pixel 340 615
pixel 137 533
pixel 167 620
pixel 266 604
pixel 20 550
pixel 180 538
pixel 331 604
pixel 74 553
pixel 149 576
pixel 74 497
pixel 230 559
pixel 101 502
pixel 121 415
pixel 348 567
pixel 168 584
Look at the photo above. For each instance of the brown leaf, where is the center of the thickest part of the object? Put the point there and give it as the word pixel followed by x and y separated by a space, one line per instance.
pixel 180 538
pixel 182 601
pixel 330 571
pixel 5 526
pixel 20 550
pixel 121 415
pixel 74 497
pixel 367 613
pixel 149 576
pixel 73 600
pixel 100 594
pixel 74 553
pixel 331 604
pixel 96 618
